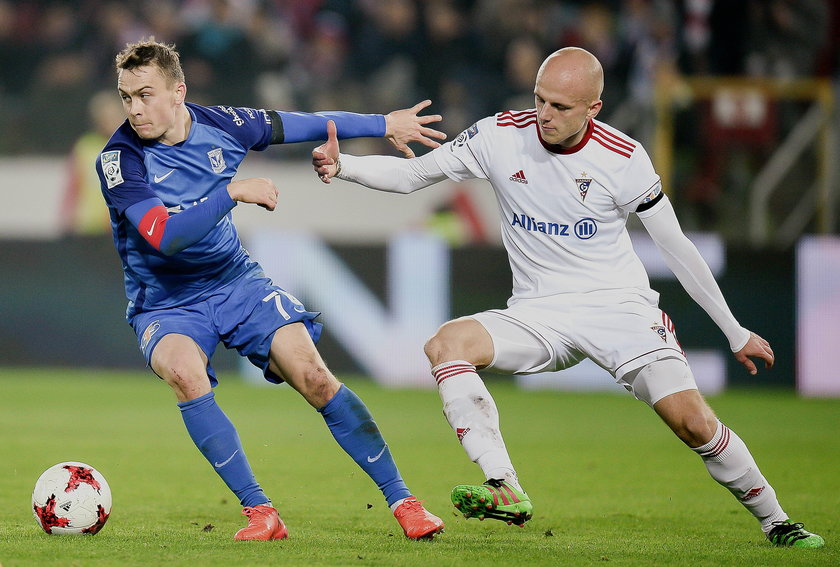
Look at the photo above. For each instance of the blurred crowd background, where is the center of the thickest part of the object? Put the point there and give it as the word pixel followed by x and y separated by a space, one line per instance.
pixel 752 161
pixel 471 57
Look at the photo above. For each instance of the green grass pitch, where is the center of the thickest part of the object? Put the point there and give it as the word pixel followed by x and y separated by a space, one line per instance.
pixel 610 484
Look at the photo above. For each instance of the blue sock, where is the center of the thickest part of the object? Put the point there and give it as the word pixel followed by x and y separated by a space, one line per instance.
pixel 353 427
pixel 217 439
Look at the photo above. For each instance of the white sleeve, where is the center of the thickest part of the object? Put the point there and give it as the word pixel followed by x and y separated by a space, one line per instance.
pixel 391 174
pixel 691 270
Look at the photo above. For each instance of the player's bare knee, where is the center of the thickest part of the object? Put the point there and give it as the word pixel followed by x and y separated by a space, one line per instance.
pixel 186 384
pixel 318 385
pixel 450 342
pixel 695 429
pixel 695 424
pixel 434 348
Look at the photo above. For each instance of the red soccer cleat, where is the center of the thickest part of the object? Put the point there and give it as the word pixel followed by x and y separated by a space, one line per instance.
pixel 416 521
pixel 264 523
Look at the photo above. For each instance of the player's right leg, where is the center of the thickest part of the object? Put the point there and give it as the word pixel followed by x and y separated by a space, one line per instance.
pixel 454 351
pixel 178 360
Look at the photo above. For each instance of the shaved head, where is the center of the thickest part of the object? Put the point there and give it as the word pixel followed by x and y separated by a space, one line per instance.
pixel 568 95
pixel 576 71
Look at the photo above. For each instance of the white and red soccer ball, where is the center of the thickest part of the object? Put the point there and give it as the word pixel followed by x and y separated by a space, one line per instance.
pixel 71 498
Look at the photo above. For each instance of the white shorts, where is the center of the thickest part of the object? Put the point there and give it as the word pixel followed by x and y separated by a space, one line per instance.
pixel 544 335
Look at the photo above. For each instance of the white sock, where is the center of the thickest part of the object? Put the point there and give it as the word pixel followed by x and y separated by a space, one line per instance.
pixel 396 504
pixel 472 413
pixel 730 463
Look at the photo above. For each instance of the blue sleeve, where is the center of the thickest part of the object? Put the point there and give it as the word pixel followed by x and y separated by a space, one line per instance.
pixel 184 229
pixel 305 127
pixel 256 129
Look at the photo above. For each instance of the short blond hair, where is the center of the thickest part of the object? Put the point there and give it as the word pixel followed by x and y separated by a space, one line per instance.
pixel 147 51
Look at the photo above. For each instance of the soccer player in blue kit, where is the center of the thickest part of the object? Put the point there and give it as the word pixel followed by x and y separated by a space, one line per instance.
pixel 167 177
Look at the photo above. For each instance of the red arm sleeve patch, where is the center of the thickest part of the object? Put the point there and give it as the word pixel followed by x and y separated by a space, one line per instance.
pixel 152 225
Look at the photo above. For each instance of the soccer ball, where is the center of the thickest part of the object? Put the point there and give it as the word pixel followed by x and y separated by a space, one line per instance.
pixel 71 498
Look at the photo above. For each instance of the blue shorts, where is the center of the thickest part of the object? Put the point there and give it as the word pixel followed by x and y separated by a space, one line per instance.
pixel 244 314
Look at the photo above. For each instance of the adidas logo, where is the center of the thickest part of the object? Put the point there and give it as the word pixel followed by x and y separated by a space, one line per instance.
pixel 519 177
pixel 460 432
pixel 752 493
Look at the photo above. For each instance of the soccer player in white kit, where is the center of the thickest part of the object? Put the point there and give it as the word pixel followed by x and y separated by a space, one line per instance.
pixel 566 184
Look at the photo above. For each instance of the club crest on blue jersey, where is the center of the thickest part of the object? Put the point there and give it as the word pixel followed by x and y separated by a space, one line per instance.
pixel 111 168
pixel 148 333
pixel 217 160
pixel 583 184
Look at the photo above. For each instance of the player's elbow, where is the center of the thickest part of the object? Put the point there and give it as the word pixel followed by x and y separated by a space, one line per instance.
pixel 169 247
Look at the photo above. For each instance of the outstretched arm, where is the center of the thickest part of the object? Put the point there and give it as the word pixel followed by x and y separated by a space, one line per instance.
pixel 385 173
pixel 694 274
pixel 400 126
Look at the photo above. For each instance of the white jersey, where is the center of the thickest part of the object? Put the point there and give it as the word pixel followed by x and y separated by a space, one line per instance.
pixel 563 210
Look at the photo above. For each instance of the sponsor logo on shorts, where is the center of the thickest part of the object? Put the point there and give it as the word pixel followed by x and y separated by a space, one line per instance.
pixel 148 333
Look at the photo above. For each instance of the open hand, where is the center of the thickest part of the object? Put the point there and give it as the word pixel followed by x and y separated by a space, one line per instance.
pixel 404 126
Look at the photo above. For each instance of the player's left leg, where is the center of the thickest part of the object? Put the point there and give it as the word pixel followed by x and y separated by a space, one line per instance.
pixel 725 455
pixel 295 359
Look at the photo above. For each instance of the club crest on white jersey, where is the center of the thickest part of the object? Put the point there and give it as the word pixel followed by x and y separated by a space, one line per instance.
pixel 583 184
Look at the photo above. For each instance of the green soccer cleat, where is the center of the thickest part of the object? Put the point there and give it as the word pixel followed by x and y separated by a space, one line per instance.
pixel 787 534
pixel 494 499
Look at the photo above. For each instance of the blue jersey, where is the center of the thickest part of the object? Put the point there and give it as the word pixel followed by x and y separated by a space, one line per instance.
pixel 194 174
